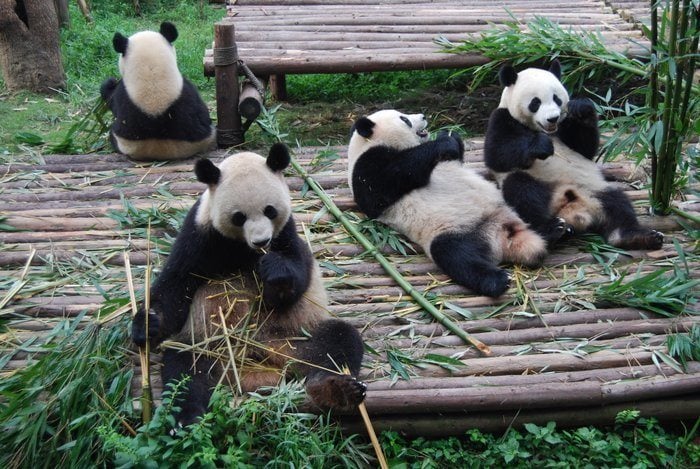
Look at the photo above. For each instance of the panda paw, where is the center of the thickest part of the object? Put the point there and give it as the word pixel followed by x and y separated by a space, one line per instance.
pixel 280 287
pixel 340 392
pixel 493 283
pixel 542 147
pixel 642 238
pixel 450 146
pixel 558 229
pixel 582 109
pixel 139 331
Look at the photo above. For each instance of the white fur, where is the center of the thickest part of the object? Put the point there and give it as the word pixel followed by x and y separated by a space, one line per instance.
pixel 163 149
pixel 246 185
pixel 535 83
pixel 150 73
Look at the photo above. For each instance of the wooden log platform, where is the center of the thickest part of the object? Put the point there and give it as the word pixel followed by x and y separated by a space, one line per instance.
pixel 274 38
pixel 557 352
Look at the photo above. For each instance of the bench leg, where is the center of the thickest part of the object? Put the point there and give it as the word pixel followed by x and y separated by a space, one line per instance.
pixel 278 87
pixel 229 130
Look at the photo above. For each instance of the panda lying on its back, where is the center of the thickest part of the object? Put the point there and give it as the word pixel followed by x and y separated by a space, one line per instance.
pixel 238 254
pixel 158 114
pixel 540 146
pixel 423 190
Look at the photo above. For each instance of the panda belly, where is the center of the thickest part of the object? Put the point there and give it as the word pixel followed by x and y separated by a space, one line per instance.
pixel 162 149
pixel 228 319
pixel 456 200
pixel 575 182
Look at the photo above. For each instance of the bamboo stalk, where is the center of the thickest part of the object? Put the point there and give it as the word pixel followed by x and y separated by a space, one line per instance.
pixel 390 269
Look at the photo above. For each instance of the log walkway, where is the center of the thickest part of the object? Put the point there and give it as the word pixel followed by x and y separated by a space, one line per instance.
pixel 274 38
pixel 557 352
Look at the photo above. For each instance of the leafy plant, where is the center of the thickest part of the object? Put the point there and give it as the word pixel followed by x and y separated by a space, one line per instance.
pixel 260 431
pixel 631 442
pixel 685 347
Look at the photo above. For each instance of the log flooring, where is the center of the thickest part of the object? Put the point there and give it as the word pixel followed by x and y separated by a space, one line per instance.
pixel 556 352
pixel 332 36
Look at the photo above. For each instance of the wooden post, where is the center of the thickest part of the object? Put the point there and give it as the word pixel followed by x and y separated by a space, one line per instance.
pixel 278 87
pixel 229 131
pixel 250 102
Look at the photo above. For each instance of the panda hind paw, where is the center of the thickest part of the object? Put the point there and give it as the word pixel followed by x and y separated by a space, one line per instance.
pixel 641 239
pixel 494 283
pixel 557 230
pixel 340 392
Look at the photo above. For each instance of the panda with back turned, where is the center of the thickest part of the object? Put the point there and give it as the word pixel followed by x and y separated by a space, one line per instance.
pixel 238 256
pixel 422 189
pixel 158 114
pixel 540 147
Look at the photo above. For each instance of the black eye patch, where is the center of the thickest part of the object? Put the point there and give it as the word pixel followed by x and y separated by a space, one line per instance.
pixel 557 100
pixel 238 219
pixel 408 122
pixel 270 212
pixel 534 105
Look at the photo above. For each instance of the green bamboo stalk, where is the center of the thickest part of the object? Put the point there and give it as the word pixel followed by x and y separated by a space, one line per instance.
pixel 654 84
pixel 384 262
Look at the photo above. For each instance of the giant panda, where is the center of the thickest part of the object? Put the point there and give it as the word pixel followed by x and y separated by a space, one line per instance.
pixel 540 147
pixel 158 114
pixel 423 190
pixel 238 254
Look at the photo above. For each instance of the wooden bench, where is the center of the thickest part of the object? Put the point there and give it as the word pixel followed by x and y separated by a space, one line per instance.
pixel 274 38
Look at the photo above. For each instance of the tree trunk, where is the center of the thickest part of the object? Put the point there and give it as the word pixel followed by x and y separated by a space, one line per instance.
pixel 30 54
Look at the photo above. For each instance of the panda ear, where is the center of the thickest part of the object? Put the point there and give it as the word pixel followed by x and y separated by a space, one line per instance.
pixel 207 172
pixel 555 68
pixel 169 31
pixel 120 42
pixel 278 158
pixel 507 75
pixel 364 127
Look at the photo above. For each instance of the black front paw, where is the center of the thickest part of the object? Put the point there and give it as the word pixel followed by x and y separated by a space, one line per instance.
pixel 140 333
pixel 582 109
pixel 280 287
pixel 340 392
pixel 542 147
pixel 450 146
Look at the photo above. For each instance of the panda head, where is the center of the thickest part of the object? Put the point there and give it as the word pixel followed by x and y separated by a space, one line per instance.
pixel 388 128
pixel 534 97
pixel 247 198
pixel 148 66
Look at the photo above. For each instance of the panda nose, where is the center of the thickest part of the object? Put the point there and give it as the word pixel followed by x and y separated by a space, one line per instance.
pixel 553 120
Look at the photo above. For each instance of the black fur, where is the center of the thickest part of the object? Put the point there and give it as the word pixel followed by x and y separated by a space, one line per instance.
pixel 120 43
pixel 620 216
pixel 186 119
pixel 510 145
pixel 169 31
pixel 579 130
pixel 507 75
pixel 207 172
pixel 278 158
pixel 383 175
pixel 467 259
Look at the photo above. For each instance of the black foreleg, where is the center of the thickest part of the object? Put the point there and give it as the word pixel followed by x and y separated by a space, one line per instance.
pixel 531 200
pixel 620 225
pixel 466 258
pixel 193 399
pixel 333 345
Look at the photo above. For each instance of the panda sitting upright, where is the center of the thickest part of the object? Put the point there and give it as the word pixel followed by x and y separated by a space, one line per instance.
pixel 158 114
pixel 540 146
pixel 423 190
pixel 238 256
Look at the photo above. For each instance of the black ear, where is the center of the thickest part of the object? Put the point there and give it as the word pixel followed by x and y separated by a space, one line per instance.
pixel 278 158
pixel 169 31
pixel 555 68
pixel 207 172
pixel 120 42
pixel 364 127
pixel 507 75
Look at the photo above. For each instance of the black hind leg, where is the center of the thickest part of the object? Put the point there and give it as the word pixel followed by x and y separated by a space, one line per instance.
pixel 621 227
pixel 334 345
pixel 193 399
pixel 531 200
pixel 466 258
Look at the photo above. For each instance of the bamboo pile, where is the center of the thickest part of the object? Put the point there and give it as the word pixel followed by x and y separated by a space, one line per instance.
pixel 556 353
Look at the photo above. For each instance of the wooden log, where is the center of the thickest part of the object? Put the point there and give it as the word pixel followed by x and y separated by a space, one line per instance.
pixel 250 102
pixel 229 126
pixel 278 86
pixel 456 423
